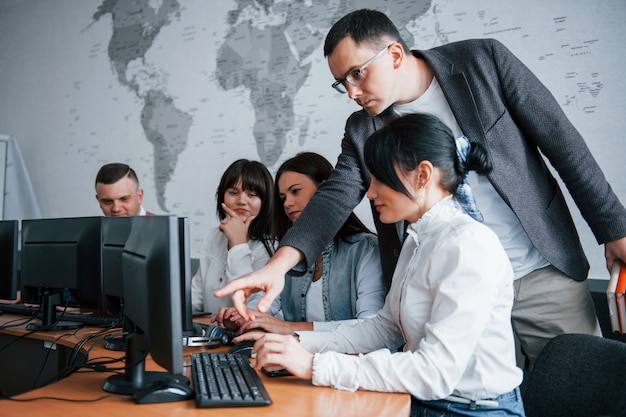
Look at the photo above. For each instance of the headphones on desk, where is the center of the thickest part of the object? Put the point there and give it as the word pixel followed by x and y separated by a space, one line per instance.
pixel 210 335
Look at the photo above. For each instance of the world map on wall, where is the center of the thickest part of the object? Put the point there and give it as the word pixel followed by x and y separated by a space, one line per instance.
pixel 266 51
pixel 263 52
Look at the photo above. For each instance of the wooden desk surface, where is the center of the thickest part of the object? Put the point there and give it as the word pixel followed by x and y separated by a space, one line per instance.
pixel 80 394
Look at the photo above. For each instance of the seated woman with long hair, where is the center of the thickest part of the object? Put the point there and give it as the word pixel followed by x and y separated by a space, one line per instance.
pixel 241 243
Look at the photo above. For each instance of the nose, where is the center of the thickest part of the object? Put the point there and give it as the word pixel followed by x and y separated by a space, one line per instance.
pixel 117 207
pixel 371 193
pixel 288 202
pixel 243 199
pixel 353 91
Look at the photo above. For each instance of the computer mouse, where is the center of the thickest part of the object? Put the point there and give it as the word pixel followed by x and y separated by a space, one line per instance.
pixel 242 348
pixel 164 391
pixel 230 325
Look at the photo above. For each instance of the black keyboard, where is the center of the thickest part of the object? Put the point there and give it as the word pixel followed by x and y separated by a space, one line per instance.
pixel 20 309
pixel 87 319
pixel 223 379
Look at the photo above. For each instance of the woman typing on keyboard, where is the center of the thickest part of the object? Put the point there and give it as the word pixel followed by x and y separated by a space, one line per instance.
pixel 450 299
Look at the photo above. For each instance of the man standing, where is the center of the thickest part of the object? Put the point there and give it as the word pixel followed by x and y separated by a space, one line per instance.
pixel 118 192
pixel 482 91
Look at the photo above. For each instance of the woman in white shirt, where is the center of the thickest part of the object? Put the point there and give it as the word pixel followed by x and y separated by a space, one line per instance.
pixel 450 299
pixel 241 242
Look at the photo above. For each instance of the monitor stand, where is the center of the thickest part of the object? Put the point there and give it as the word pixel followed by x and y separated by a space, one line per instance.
pixel 115 342
pixel 144 385
pixel 48 319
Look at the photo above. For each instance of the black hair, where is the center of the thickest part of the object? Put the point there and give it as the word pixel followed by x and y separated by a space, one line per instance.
pixel 113 172
pixel 365 26
pixel 408 140
pixel 318 169
pixel 254 177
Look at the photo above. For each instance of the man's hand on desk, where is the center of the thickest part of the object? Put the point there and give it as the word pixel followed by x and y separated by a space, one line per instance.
pixel 285 351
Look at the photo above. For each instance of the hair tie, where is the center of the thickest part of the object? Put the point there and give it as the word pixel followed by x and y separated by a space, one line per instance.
pixel 464 194
pixel 463 148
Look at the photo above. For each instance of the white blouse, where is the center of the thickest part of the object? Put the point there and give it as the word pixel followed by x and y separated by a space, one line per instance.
pixel 450 303
pixel 219 266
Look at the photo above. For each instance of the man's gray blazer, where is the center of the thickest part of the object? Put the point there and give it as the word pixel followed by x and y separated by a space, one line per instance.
pixel 499 103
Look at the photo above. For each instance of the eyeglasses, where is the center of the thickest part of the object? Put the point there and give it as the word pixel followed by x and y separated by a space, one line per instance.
pixel 356 77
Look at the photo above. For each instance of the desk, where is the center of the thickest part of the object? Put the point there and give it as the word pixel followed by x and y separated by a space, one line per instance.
pixel 290 396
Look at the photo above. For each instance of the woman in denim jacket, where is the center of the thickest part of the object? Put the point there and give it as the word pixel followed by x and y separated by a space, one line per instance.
pixel 344 285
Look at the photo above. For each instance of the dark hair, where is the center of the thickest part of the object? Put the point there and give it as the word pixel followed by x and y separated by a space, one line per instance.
pixel 112 173
pixel 318 169
pixel 364 26
pixel 254 177
pixel 411 139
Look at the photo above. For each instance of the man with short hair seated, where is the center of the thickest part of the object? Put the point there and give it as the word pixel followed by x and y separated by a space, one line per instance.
pixel 118 192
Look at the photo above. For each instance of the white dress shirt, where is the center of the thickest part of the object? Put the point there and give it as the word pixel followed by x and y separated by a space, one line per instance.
pixel 450 303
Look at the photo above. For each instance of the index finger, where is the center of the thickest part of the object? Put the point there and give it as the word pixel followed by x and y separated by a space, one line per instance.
pixel 229 211
pixel 235 285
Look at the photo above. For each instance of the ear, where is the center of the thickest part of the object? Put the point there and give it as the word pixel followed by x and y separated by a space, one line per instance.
pixel 140 195
pixel 397 54
pixel 424 172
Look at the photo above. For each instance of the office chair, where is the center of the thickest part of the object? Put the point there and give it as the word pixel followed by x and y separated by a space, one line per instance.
pixel 577 375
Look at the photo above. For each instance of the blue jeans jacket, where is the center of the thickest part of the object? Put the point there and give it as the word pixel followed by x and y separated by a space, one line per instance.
pixel 352 282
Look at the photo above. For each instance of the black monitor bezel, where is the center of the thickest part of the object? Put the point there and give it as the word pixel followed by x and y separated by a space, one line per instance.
pixel 9 266
pixel 86 234
pixel 115 232
pixel 78 283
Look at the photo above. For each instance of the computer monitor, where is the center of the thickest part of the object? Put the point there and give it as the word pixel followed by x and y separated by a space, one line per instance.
pixel 8 259
pixel 61 265
pixel 115 231
pixel 190 329
pixel 152 312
